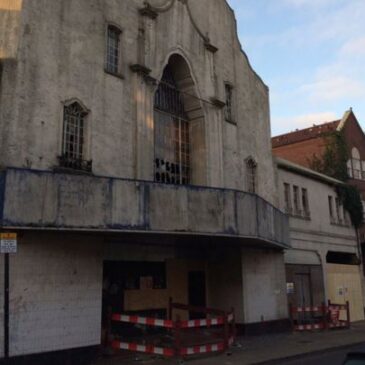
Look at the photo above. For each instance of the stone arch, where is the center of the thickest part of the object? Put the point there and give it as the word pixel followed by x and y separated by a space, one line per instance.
pixel 177 79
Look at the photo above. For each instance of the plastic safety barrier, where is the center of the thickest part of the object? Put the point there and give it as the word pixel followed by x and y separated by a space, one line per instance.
pixel 321 317
pixel 214 319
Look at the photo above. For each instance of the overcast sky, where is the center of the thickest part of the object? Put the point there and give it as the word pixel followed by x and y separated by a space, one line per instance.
pixel 311 54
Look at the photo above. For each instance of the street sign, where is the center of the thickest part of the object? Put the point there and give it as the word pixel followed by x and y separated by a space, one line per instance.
pixel 8 243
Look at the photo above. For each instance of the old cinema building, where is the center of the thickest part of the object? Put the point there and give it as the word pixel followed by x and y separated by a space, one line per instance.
pixel 136 166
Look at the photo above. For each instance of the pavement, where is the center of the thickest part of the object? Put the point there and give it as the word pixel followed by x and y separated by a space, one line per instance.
pixel 266 349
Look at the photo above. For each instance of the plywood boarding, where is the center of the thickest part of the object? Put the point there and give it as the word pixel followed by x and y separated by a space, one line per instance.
pixel 344 284
pixel 177 288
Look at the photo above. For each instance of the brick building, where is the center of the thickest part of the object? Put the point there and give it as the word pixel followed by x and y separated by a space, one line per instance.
pixel 302 145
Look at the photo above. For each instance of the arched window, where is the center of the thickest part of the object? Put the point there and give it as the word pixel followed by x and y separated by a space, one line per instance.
pixel 251 174
pixel 356 164
pixel 172 135
pixel 73 138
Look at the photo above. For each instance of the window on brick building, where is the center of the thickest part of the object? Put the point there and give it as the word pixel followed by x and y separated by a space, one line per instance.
pixel 356 167
pixel 113 50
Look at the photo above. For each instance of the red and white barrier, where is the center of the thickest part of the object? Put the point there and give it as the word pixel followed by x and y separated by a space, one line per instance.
pixel 143 321
pixel 202 323
pixel 327 317
pixel 309 327
pixel 196 350
pixel 340 324
pixel 306 309
pixel 170 324
pixel 147 349
pixel 220 318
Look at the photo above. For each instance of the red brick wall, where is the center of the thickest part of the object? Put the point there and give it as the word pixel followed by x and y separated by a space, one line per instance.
pixel 301 152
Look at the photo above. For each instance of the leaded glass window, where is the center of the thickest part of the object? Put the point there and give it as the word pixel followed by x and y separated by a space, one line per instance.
pixel 73 132
pixel 172 136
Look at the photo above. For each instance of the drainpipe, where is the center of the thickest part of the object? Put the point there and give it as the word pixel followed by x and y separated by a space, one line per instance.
pixel 6 305
pixel 358 245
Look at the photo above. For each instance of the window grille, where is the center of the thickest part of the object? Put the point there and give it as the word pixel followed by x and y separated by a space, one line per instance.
pixel 73 138
pixel 172 134
pixel 113 50
pixel 251 167
pixel 229 102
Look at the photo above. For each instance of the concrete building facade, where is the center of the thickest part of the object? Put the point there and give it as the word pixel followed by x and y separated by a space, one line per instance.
pixel 324 262
pixel 135 166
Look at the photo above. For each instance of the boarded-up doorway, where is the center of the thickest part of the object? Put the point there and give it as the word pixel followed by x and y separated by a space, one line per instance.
pixel 197 291
pixel 303 290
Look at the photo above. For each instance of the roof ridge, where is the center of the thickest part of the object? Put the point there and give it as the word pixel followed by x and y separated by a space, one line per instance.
pixel 305 133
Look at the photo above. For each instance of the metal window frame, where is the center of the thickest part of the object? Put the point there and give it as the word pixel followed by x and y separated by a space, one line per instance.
pixel 168 103
pixel 113 49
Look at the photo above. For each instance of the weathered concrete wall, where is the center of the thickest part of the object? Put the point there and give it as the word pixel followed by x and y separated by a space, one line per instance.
pixel 77 201
pixel 264 290
pixel 65 41
pixel 55 293
pixel 10 19
pixel 225 287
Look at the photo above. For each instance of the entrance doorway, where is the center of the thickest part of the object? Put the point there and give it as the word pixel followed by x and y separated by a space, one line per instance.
pixel 197 292
pixel 303 290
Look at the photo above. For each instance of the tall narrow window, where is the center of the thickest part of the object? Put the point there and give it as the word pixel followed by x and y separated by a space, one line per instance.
pixel 356 163
pixel 287 197
pixel 338 210
pixel 251 171
pixel 330 206
pixel 73 154
pixel 229 103
pixel 172 133
pixel 296 200
pixel 113 50
pixel 305 203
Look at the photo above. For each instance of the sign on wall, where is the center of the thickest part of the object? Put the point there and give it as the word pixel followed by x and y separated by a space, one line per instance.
pixel 8 243
pixel 290 288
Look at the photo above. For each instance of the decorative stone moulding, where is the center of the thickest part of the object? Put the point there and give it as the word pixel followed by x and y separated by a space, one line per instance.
pixel 218 103
pixel 210 47
pixel 148 11
pixel 140 69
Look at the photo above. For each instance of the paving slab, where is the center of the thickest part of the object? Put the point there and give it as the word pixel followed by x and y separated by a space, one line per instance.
pixel 262 349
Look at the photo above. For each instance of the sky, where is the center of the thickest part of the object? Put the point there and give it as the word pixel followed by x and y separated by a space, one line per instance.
pixel 311 54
